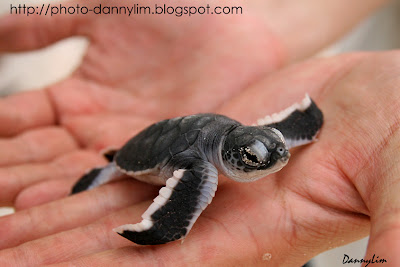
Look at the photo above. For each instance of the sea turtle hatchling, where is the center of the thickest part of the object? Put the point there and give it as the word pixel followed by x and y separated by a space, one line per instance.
pixel 185 154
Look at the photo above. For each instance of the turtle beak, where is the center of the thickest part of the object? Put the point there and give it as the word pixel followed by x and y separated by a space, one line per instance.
pixel 281 160
pixel 286 156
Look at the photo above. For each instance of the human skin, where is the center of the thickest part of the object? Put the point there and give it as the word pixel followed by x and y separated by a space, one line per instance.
pixel 332 192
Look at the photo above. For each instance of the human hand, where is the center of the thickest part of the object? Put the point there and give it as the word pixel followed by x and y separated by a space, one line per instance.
pixel 328 195
pixel 93 125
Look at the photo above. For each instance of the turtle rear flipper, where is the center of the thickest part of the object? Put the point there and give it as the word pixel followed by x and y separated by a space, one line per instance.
pixel 97 177
pixel 174 211
pixel 109 153
pixel 299 124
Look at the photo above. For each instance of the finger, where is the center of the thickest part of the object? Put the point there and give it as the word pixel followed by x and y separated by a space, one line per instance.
pixel 78 96
pixel 21 32
pixel 102 131
pixel 70 212
pixel 43 192
pixel 15 179
pixel 24 111
pixel 75 243
pixel 384 202
pixel 36 146
pixel 33 184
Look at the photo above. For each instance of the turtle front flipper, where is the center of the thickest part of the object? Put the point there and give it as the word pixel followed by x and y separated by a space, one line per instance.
pixel 96 177
pixel 299 124
pixel 178 205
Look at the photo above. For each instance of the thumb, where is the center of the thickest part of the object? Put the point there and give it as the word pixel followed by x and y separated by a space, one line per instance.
pixel 20 32
pixel 384 241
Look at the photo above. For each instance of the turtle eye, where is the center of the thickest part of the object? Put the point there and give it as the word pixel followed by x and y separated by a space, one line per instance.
pixel 248 157
pixel 255 154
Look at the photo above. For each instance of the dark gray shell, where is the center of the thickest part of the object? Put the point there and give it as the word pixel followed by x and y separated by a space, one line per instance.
pixel 162 141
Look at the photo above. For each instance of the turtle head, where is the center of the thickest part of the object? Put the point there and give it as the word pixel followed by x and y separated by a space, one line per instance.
pixel 250 153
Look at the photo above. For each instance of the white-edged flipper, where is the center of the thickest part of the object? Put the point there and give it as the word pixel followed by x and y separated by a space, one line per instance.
pixel 96 177
pixel 177 207
pixel 299 124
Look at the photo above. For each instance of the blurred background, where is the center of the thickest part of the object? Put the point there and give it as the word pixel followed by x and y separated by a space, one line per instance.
pixel 34 70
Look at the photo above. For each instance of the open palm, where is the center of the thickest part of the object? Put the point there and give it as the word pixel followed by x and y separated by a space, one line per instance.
pixel 321 199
